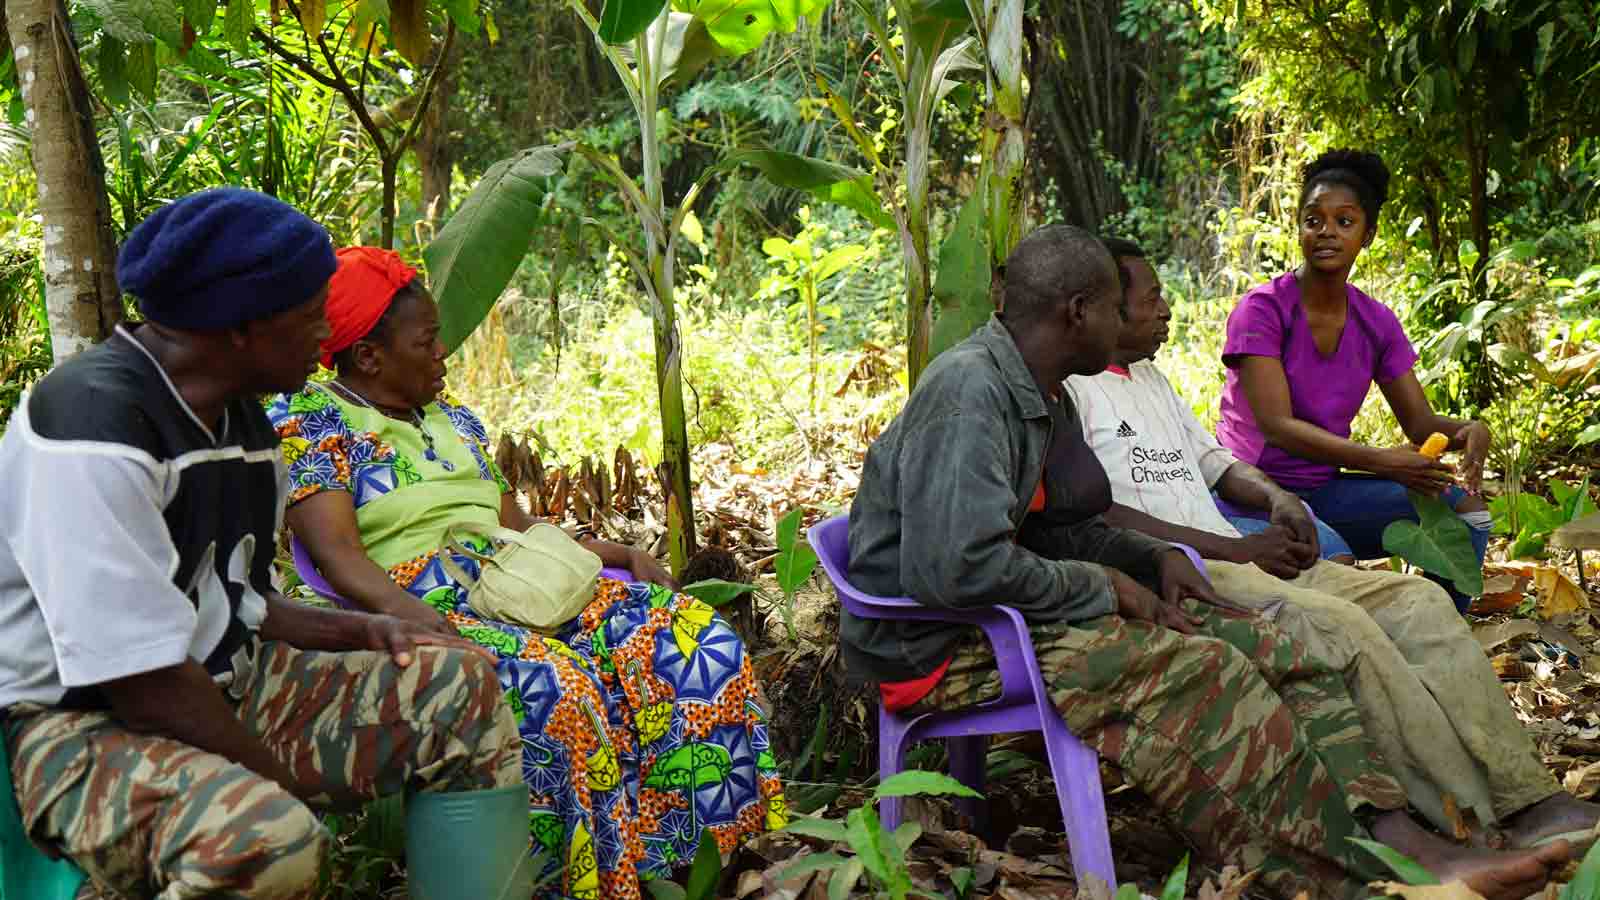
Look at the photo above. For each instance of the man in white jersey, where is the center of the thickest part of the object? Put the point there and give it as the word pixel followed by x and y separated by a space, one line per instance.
pixel 1425 690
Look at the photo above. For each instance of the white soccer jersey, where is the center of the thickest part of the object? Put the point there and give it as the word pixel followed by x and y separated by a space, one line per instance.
pixel 1160 459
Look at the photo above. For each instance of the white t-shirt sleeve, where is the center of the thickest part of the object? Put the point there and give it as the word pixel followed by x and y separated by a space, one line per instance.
pixel 86 528
pixel 1212 458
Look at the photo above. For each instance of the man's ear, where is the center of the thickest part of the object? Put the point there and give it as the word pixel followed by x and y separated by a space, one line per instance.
pixel 1075 309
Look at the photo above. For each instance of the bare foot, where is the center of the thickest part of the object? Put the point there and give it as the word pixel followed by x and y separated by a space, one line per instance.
pixel 1497 875
pixel 1557 814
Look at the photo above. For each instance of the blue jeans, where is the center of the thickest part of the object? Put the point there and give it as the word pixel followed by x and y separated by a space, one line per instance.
pixel 1330 542
pixel 1360 507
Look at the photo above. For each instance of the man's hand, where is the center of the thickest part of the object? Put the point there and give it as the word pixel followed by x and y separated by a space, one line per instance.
pixel 1474 440
pixel 421 615
pixel 1290 511
pixel 1135 601
pixel 399 638
pixel 1275 550
pixel 1181 581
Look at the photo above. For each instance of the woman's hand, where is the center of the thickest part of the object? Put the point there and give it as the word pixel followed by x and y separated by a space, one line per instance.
pixel 1474 439
pixel 399 637
pixel 1181 581
pixel 646 568
pixel 1415 471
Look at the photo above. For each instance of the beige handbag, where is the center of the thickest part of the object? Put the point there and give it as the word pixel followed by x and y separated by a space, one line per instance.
pixel 540 578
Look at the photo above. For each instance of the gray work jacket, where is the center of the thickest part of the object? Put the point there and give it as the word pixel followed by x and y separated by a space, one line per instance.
pixel 943 492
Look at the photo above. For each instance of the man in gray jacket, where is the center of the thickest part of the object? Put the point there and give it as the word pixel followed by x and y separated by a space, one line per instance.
pixel 983 491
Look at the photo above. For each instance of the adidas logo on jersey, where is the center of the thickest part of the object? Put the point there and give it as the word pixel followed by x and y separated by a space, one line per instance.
pixel 1126 431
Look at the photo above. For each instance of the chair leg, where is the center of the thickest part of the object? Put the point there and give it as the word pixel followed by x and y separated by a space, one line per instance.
pixel 1076 770
pixel 968 760
pixel 891 757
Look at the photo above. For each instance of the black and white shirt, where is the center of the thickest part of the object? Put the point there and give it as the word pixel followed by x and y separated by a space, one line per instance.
pixel 132 536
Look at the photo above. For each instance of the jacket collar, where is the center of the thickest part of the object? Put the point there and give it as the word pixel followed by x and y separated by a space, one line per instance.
pixel 995 338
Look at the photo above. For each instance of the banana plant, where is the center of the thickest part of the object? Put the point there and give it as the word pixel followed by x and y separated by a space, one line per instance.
pixel 937 39
pixel 654 45
pixel 932 44
pixel 999 33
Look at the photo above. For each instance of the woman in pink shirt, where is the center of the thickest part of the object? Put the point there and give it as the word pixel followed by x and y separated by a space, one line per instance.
pixel 1302 351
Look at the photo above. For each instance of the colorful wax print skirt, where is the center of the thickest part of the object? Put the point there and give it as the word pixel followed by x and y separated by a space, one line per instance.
pixel 641 731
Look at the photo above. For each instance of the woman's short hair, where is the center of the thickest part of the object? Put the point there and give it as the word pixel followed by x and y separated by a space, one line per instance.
pixel 1363 173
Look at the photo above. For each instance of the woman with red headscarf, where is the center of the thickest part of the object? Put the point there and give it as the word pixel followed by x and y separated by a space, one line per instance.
pixel 640 720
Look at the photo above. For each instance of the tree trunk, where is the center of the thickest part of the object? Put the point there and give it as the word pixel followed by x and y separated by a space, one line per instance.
pixel 435 156
pixel 1478 202
pixel 81 294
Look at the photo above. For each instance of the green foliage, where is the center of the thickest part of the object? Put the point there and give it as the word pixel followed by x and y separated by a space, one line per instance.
pixel 480 247
pixel 715 592
pixel 914 782
pixel 961 287
pixel 828 181
pixel 802 267
pixel 794 565
pixel 1177 881
pixel 1441 543
pixel 623 20
pixel 1408 870
pixel 1585 883
pixel 1530 519
pixel 880 857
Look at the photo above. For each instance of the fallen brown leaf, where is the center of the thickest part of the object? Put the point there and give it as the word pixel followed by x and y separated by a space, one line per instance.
pixel 1557 594
pixel 1233 885
pixel 1492 634
pixel 1500 593
pixel 1455 890
pixel 1583 782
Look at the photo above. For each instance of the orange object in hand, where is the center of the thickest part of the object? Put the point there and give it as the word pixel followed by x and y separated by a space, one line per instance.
pixel 1434 446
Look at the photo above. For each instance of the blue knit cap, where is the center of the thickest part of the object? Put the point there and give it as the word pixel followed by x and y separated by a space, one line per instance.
pixel 223 257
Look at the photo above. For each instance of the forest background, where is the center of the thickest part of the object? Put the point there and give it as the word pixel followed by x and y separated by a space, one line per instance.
pixel 785 206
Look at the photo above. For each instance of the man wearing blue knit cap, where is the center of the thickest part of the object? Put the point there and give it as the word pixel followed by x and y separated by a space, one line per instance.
pixel 168 716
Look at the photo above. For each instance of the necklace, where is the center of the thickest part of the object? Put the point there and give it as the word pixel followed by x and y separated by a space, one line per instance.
pixel 428 451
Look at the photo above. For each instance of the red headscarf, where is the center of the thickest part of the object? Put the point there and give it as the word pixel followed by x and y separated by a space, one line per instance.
pixel 360 293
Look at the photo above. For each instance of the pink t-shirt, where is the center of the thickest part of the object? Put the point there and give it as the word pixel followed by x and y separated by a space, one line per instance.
pixel 1325 390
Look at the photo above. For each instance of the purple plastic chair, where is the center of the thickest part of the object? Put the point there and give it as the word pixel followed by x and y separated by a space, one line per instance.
pixel 1024 705
pixel 306 568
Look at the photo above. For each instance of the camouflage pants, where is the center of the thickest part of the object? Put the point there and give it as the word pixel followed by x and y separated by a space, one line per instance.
pixel 147 816
pixel 1253 750
pixel 1426 692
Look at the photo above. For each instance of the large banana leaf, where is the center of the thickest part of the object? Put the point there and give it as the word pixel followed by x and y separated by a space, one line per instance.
pixel 623 20
pixel 961 286
pixel 850 188
pixel 478 250
pixel 740 26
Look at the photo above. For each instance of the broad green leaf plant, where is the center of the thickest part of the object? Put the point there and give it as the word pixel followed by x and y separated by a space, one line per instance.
pixel 1440 543
pixel 880 856
pixel 801 266
pixel 794 564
